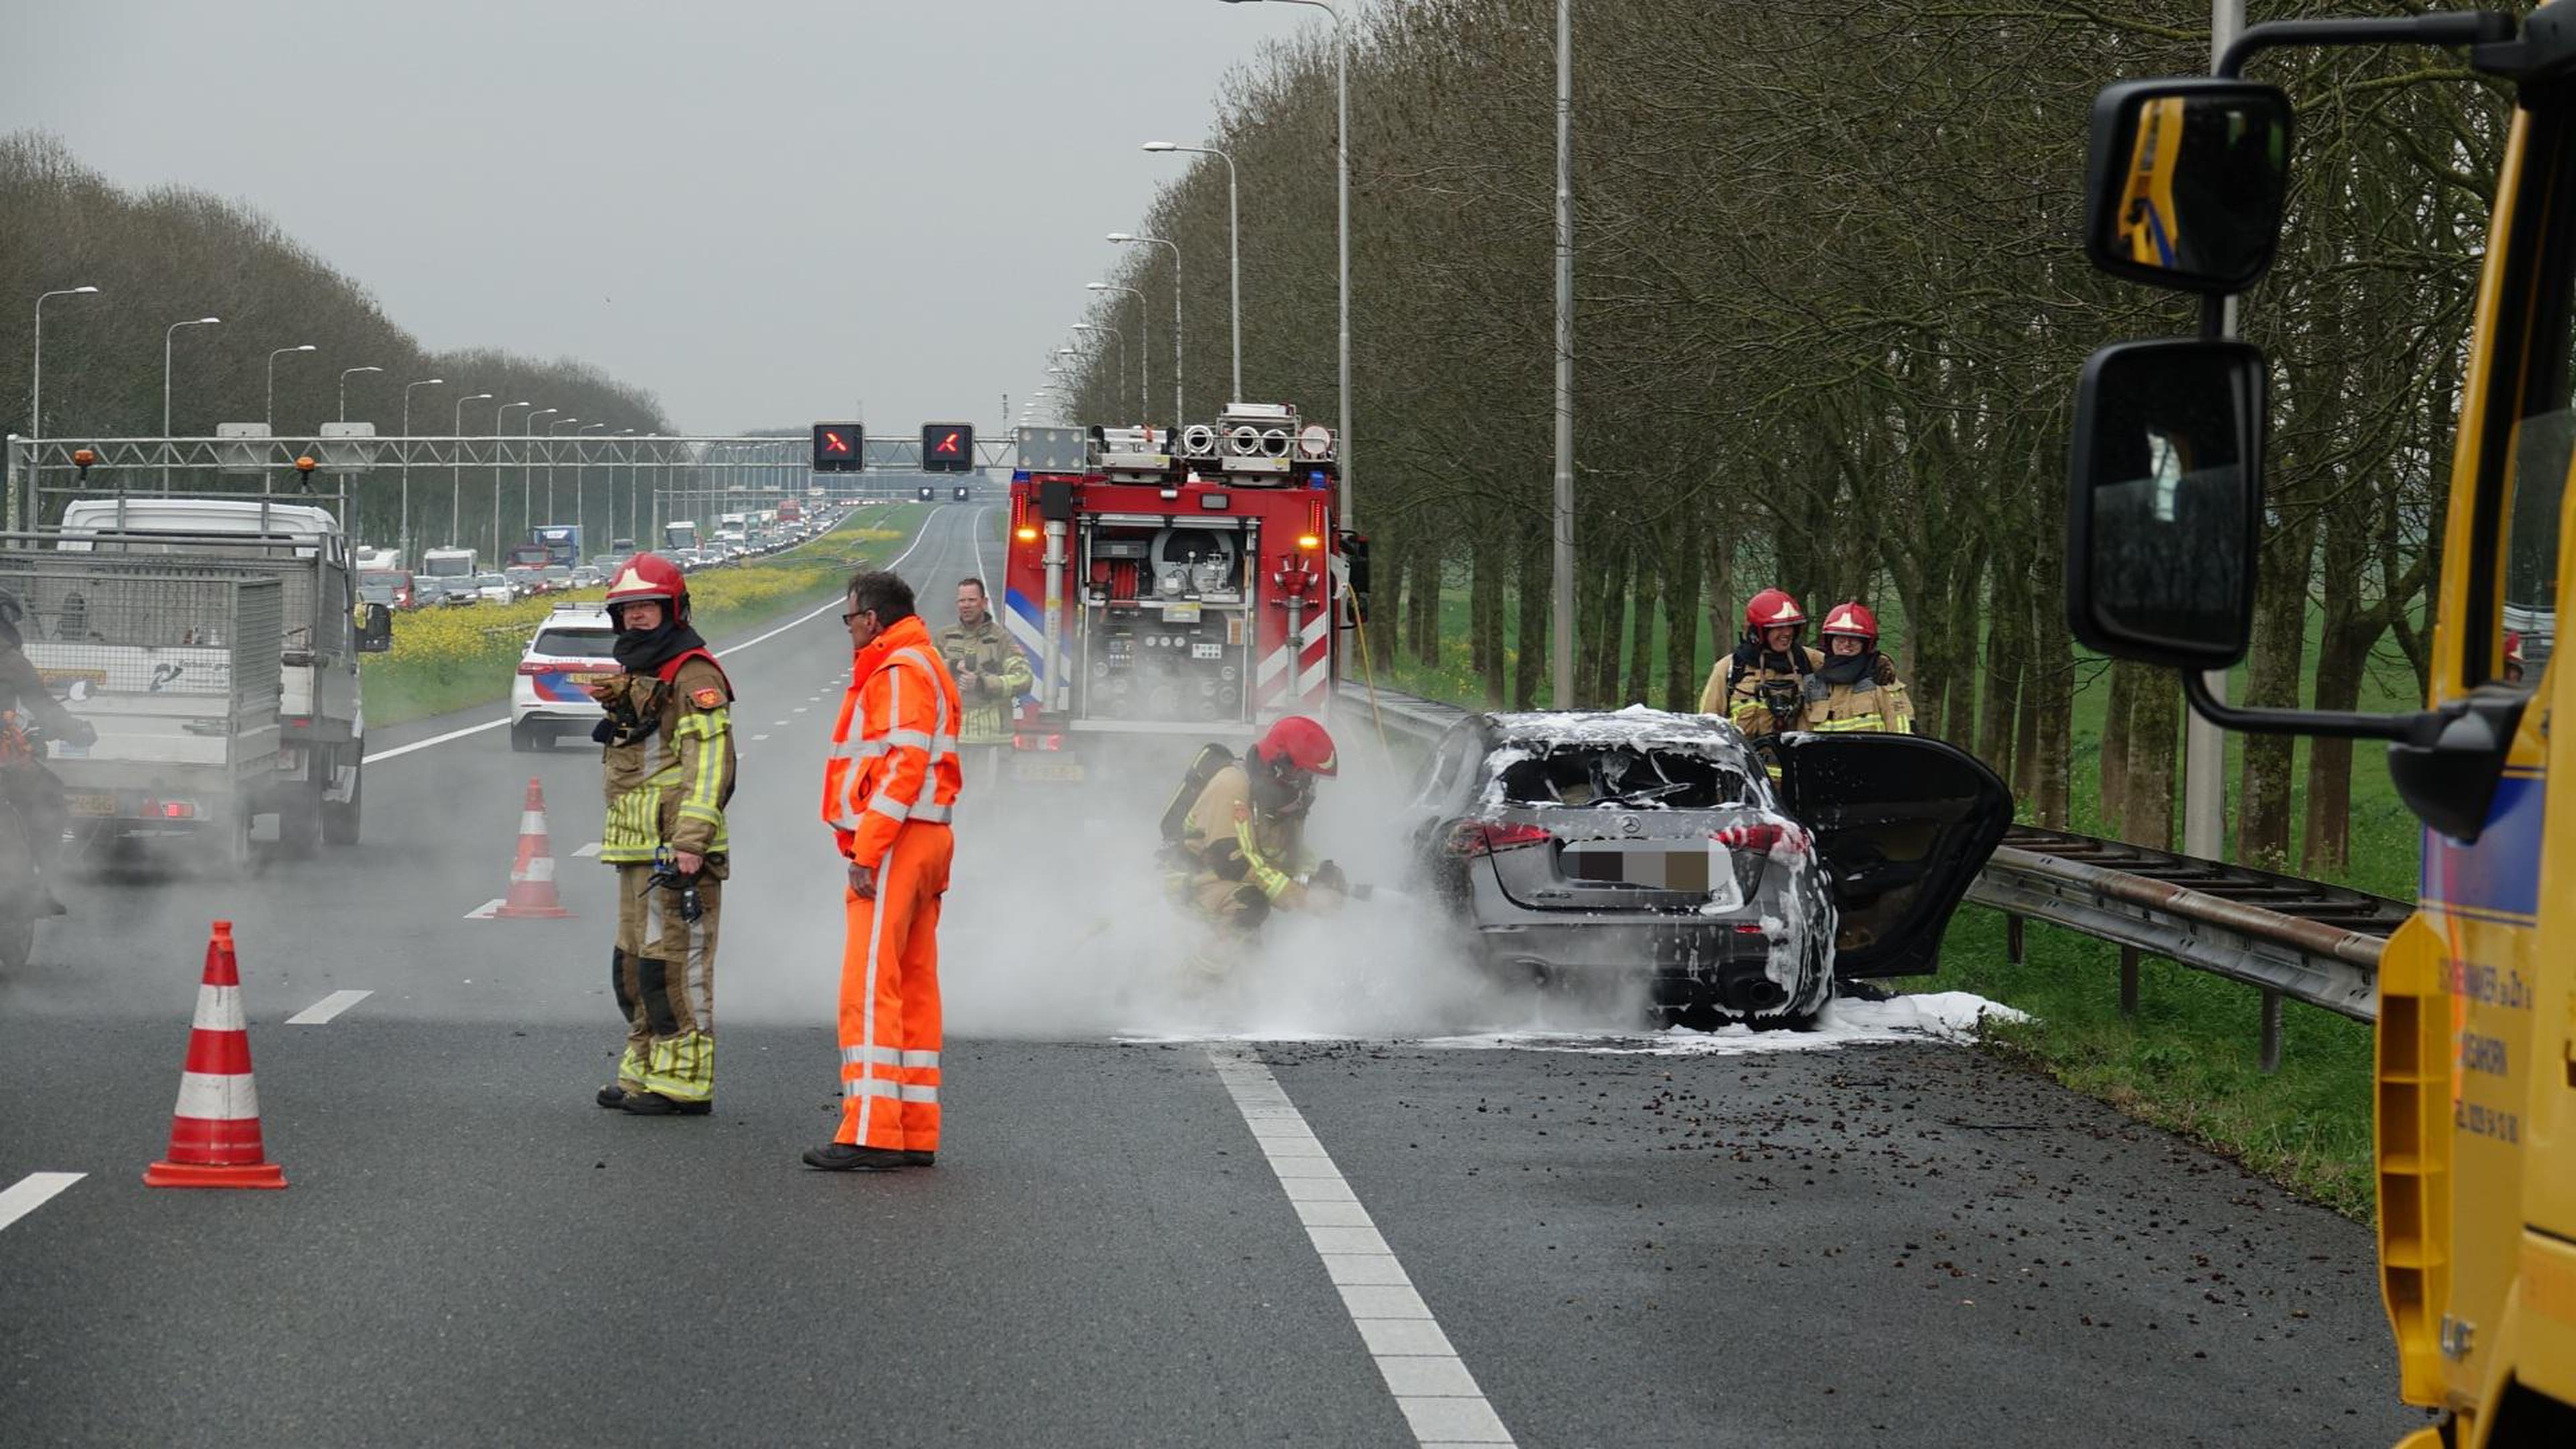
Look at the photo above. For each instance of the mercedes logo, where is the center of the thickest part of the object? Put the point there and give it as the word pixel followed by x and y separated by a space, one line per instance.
pixel 1630 825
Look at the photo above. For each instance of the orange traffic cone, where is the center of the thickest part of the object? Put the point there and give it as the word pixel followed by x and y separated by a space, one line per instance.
pixel 532 877
pixel 214 1131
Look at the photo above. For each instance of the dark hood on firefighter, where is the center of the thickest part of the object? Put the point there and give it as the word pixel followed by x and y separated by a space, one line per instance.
pixel 1751 656
pixel 643 651
pixel 1850 668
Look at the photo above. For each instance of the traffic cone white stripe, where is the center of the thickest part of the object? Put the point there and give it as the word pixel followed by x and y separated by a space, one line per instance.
pixel 541 868
pixel 532 822
pixel 232 1097
pixel 219 1008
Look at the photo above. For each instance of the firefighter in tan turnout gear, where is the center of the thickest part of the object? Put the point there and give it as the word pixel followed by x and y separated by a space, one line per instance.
pixel 1856 688
pixel 669 763
pixel 1234 838
pixel 1762 685
pixel 990 672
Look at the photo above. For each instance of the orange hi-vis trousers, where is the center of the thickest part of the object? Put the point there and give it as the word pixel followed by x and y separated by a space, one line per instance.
pixel 890 997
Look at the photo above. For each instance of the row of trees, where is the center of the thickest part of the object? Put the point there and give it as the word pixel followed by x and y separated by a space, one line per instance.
pixel 1831 305
pixel 171 254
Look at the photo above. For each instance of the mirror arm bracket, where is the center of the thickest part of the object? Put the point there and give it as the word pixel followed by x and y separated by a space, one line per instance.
pixel 2334 724
pixel 2457 27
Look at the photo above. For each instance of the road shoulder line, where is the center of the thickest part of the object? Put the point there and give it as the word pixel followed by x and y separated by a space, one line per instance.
pixel 1430 1383
pixel 327 1008
pixel 32 1192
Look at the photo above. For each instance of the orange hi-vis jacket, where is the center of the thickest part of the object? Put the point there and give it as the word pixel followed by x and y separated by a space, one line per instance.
pixel 894 750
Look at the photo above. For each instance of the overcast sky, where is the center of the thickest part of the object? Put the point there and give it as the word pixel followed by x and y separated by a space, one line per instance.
pixel 762 210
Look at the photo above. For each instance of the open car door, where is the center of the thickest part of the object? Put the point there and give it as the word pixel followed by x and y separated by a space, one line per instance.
pixel 1903 824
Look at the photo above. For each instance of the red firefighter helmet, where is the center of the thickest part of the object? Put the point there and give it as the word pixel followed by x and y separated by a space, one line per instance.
pixel 1297 743
pixel 1852 619
pixel 649 576
pixel 1773 609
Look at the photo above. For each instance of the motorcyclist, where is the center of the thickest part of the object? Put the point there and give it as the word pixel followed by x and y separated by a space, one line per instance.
pixel 1856 688
pixel 1761 686
pixel 1239 852
pixel 25 783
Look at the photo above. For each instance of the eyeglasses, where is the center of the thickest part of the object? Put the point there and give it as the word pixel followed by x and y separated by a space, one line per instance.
pixel 854 613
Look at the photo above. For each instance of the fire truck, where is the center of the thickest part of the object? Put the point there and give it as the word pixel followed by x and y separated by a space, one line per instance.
pixel 1173 586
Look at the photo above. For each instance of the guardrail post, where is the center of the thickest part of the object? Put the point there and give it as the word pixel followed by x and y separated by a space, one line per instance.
pixel 2271 1030
pixel 2012 939
pixel 2128 981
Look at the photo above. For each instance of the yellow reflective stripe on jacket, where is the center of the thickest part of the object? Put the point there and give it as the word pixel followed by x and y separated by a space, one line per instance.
pixel 703 799
pixel 1272 880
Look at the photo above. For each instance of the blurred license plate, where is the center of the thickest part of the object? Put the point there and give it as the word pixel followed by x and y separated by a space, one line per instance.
pixel 585 681
pixel 84 802
pixel 1026 769
pixel 1663 868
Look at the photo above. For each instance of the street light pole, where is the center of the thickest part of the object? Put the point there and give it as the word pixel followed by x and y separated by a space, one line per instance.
pixel 527 467
pixel 166 336
pixel 581 479
pixel 496 473
pixel 36 370
pixel 1144 349
pixel 344 387
pixel 456 470
pixel 1561 631
pixel 550 465
pixel 402 535
pixel 2204 768
pixel 1234 247
pixel 272 380
pixel 1342 191
pixel 1180 404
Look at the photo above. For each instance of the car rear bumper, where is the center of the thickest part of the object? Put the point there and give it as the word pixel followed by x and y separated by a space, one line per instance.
pixel 1680 964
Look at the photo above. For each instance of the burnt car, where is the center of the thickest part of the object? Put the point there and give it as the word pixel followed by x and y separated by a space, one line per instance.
pixel 1600 852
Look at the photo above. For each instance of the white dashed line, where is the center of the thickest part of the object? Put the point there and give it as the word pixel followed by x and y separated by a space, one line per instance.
pixel 1430 1383
pixel 800 709
pixel 590 849
pixel 32 1192
pixel 756 739
pixel 484 911
pixel 327 1008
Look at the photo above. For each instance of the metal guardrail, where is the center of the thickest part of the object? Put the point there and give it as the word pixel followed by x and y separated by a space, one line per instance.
pixel 2290 939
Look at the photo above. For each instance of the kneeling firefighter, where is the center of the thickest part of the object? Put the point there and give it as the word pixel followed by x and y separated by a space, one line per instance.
pixel 669 766
pixel 1762 686
pixel 1234 836
pixel 1856 688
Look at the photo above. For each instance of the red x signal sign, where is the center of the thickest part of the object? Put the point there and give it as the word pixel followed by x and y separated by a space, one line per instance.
pixel 836 447
pixel 947 448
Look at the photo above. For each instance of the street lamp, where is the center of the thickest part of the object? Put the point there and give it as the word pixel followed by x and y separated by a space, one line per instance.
pixel 550 466
pixel 1342 191
pixel 172 331
pixel 402 535
pixel 1180 406
pixel 272 379
pixel 1144 346
pixel 36 380
pixel 1233 246
pixel 456 469
pixel 344 387
pixel 497 465
pixel 1121 339
pixel 527 470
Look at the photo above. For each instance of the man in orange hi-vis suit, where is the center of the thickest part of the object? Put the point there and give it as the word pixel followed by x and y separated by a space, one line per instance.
pixel 888 792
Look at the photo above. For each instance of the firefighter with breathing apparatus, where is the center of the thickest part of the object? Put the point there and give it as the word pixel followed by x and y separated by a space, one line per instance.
pixel 1762 685
pixel 1856 688
pixel 1234 836
pixel 28 786
pixel 669 765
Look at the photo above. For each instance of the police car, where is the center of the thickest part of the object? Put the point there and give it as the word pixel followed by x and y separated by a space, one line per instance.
pixel 550 697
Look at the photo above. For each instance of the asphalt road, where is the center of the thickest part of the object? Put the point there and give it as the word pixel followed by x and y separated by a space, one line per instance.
pixel 1162 1241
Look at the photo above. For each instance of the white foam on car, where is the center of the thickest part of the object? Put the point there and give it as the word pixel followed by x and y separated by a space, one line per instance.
pixel 1940 1016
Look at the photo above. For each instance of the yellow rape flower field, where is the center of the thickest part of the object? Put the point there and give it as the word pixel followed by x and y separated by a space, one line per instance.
pixel 448 659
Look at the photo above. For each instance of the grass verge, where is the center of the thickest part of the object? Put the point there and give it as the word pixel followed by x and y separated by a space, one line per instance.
pixel 450 659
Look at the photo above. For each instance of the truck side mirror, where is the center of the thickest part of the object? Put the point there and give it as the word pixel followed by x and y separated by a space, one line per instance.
pixel 2164 501
pixel 1355 563
pixel 376 630
pixel 2185 182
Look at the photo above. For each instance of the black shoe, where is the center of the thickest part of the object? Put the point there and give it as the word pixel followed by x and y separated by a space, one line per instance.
pixel 654 1104
pixel 843 1157
pixel 612 1095
pixel 919 1159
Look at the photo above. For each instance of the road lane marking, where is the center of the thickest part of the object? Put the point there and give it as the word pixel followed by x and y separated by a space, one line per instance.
pixel 327 1008
pixel 484 911
pixel 493 724
pixel 1430 1383
pixel 32 1192
pixel 590 849
pixel 756 739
